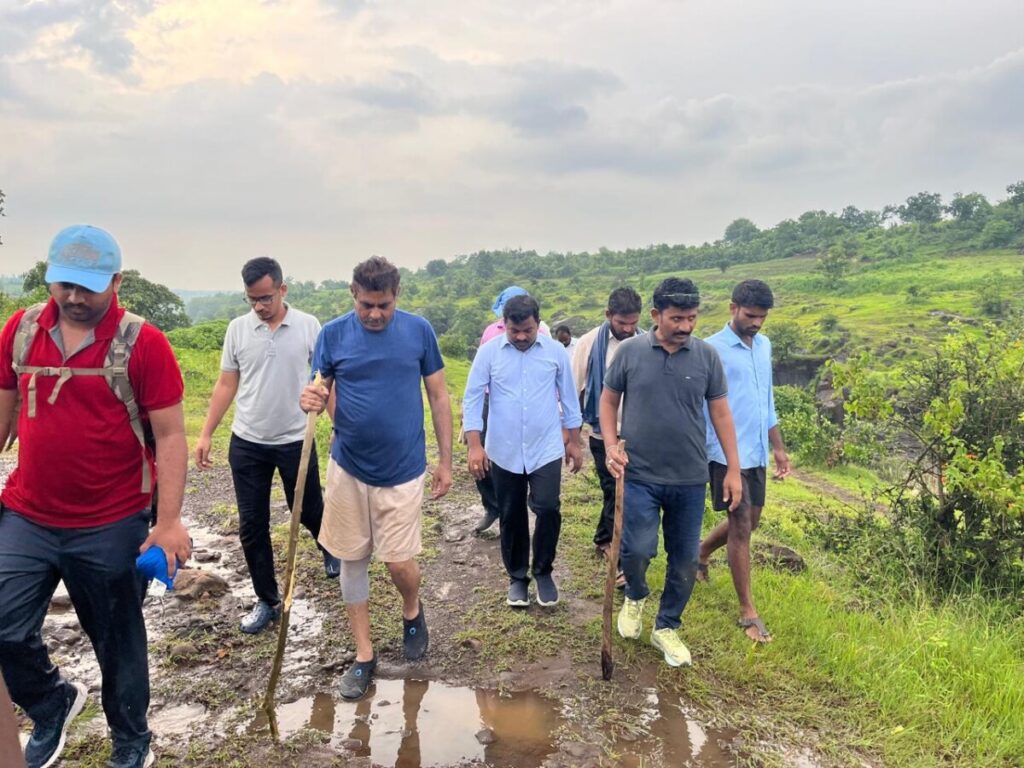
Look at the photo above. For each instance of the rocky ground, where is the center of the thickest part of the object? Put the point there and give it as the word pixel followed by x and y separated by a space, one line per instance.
pixel 498 687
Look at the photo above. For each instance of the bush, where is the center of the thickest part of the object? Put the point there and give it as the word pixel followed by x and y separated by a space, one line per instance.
pixel 808 434
pixel 204 337
pixel 958 512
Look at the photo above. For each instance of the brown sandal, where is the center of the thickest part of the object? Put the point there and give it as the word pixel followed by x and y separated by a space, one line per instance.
pixel 765 635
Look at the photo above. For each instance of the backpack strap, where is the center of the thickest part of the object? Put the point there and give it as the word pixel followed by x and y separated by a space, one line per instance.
pixel 116 372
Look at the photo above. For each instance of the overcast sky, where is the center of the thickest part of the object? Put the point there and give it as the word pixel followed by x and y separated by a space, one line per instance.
pixel 202 133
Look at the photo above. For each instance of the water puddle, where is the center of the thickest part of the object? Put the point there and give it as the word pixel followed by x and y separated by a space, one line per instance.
pixel 416 723
pixel 675 738
pixel 176 721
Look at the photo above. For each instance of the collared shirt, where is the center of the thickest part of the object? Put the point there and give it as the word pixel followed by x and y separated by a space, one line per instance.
pixel 524 423
pixel 751 400
pixel 79 463
pixel 273 367
pixel 663 420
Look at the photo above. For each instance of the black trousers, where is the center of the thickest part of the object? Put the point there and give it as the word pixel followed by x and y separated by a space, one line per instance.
pixel 485 487
pixel 252 469
pixel 97 566
pixel 606 523
pixel 541 490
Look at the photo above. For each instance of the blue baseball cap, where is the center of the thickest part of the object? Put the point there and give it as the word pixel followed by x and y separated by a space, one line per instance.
pixel 508 293
pixel 83 255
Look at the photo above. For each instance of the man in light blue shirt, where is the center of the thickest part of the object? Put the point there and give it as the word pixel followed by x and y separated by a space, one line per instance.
pixel 747 359
pixel 523 373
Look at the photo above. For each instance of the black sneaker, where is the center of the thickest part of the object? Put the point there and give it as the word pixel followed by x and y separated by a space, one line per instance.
pixel 131 757
pixel 262 616
pixel 332 565
pixel 547 591
pixel 357 679
pixel 487 519
pixel 519 594
pixel 416 638
pixel 48 737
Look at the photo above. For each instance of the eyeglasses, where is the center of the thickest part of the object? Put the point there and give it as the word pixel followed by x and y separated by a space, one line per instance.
pixel 264 300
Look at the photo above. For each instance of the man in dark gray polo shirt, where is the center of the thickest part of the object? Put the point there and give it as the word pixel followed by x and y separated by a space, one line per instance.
pixel 264 366
pixel 665 376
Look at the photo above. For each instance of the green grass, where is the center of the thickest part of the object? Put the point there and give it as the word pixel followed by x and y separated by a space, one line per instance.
pixel 919 683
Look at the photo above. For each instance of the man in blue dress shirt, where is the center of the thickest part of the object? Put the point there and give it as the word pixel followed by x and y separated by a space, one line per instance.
pixel 747 358
pixel 524 372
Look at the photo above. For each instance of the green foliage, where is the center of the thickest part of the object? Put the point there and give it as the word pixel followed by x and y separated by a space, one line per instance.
pixel 741 231
pixel 923 208
pixel 155 302
pixel 836 262
pixel 958 513
pixel 809 435
pixel 35 278
pixel 202 337
pixel 787 342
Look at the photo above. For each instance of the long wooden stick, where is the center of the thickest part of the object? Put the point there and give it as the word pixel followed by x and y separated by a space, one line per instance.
pixel 607 662
pixel 293 541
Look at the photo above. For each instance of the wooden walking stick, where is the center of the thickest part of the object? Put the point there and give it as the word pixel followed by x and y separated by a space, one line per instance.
pixel 293 541
pixel 607 663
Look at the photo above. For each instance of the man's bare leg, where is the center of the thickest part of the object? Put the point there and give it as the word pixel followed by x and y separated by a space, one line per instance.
pixel 406 576
pixel 712 543
pixel 359 622
pixel 742 522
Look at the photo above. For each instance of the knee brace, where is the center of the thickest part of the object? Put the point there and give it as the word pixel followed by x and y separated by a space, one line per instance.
pixel 355 580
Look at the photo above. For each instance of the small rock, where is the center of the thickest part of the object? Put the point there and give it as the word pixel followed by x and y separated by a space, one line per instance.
pixel 383 703
pixel 459 558
pixel 206 556
pixel 60 602
pixel 581 750
pixel 352 744
pixel 192 584
pixel 778 557
pixel 182 650
pixel 68 636
pixel 454 534
pixel 299 593
pixel 474 644
pixel 486 736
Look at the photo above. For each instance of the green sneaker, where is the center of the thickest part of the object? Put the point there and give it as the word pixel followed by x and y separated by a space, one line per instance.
pixel 667 641
pixel 630 621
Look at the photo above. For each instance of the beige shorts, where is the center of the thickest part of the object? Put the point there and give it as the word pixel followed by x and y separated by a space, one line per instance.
pixel 361 519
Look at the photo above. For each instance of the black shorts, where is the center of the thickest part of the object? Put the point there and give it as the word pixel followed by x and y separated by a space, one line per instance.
pixel 753 486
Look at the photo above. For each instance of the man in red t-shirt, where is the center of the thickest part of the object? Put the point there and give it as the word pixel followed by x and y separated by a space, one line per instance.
pixel 77 505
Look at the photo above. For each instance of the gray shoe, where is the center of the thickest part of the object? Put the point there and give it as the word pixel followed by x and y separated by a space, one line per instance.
pixel 357 678
pixel 488 519
pixel 519 594
pixel 260 617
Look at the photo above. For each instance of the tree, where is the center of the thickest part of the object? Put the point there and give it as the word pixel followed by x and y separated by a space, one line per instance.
pixel 437 267
pixel 834 265
pixel 155 302
pixel 856 219
pixel 923 208
pixel 741 231
pixel 34 278
pixel 970 210
pixel 1016 191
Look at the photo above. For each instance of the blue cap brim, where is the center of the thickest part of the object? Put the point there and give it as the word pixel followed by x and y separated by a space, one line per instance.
pixel 95 282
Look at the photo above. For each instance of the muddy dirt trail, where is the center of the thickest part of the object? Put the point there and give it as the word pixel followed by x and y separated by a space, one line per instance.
pixel 498 687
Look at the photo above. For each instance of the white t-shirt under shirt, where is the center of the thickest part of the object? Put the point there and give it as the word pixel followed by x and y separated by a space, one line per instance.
pixel 273 368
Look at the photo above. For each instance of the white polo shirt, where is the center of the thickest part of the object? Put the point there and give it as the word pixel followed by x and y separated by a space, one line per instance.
pixel 273 368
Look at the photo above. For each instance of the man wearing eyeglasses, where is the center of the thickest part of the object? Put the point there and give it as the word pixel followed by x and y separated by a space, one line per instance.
pixel 264 366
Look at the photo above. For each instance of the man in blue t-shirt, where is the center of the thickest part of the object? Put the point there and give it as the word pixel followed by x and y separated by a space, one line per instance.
pixel 373 359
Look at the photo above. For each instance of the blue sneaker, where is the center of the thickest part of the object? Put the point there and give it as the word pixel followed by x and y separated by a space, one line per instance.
pixel 48 737
pixel 131 757
pixel 415 638
pixel 357 679
pixel 262 616
pixel 547 591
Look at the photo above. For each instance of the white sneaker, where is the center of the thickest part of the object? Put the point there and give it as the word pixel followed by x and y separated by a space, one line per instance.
pixel 630 622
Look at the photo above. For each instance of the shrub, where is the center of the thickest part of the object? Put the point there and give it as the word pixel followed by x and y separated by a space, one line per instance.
pixel 958 512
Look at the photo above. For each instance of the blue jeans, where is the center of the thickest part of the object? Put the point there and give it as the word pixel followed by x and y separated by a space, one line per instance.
pixel 98 569
pixel 683 506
